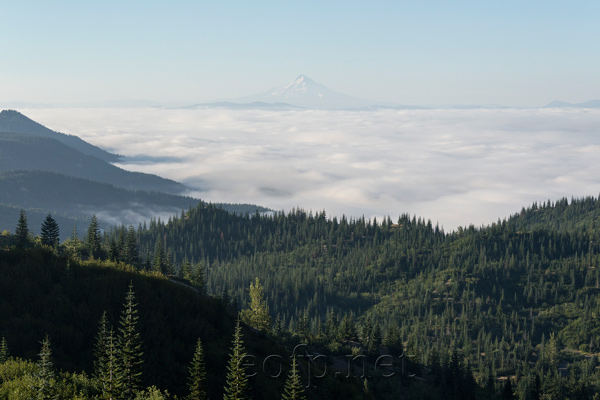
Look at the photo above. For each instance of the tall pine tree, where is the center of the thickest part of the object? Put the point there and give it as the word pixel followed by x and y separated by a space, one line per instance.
pixel 129 349
pixel 159 261
pixel 197 380
pixel 105 363
pixel 293 388
pixel 236 383
pixel 131 255
pixel 44 377
pixel 93 240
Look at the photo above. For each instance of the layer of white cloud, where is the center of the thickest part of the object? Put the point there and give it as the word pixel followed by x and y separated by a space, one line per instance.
pixel 455 167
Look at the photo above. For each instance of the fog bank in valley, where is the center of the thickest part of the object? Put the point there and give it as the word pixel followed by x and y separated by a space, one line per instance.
pixel 455 167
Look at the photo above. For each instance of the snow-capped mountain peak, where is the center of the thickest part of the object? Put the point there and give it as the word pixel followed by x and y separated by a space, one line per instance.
pixel 300 86
pixel 306 93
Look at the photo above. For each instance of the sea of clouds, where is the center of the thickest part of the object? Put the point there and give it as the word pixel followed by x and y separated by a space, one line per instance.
pixel 455 167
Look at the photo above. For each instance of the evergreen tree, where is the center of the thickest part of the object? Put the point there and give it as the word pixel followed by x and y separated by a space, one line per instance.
pixel 73 244
pixel 186 271
pixel 331 325
pixel 129 349
pixel 93 240
pixel 236 383
pixel 120 245
pixel 198 279
pixel 393 341
pixel 100 348
pixel 257 316
pixel 50 233
pixel 159 261
pixel 113 251
pixel 44 378
pixel 455 374
pixel 4 353
pixel 22 230
pixel 105 363
pixel 293 388
pixel 366 333
pixel 375 339
pixel 197 375
pixel 112 387
pixel 302 324
pixel 131 255
pixel 347 330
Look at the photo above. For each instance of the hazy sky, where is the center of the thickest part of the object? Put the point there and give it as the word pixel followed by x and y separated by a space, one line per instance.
pixel 411 52
pixel 455 167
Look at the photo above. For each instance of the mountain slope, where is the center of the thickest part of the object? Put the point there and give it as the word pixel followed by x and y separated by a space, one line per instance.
pixel 83 197
pixel 74 200
pixel 564 104
pixel 20 151
pixel 9 215
pixel 509 288
pixel 45 294
pixel 15 122
pixel 306 93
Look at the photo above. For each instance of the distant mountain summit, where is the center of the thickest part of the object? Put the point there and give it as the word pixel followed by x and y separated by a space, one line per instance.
pixel 306 93
pixel 564 104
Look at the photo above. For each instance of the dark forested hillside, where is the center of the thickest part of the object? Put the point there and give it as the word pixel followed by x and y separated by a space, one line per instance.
pixel 75 200
pixel 83 197
pixel 28 152
pixel 61 298
pixel 47 172
pixel 518 298
pixel 15 122
pixel 35 216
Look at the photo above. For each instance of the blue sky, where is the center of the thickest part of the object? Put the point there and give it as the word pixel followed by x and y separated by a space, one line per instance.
pixel 429 52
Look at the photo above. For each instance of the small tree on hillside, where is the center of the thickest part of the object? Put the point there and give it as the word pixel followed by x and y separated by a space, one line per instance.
pixel 257 316
pixel 131 255
pixel 198 277
pixel 44 385
pixel 236 383
pixel 105 363
pixel 4 353
pixel 197 380
pixel 129 349
pixel 159 261
pixel 50 232
pixel 93 240
pixel 22 230
pixel 293 387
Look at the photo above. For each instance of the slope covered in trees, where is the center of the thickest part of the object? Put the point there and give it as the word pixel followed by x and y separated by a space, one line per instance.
pixel 147 337
pixel 82 197
pixel 15 122
pixel 19 151
pixel 47 172
pixel 518 298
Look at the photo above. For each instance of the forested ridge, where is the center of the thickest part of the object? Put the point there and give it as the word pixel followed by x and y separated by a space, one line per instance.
pixel 509 310
pixel 44 171
pixel 518 297
pixel 15 122
pixel 93 329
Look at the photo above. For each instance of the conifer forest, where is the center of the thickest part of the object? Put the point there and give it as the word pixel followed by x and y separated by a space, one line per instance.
pixel 213 304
